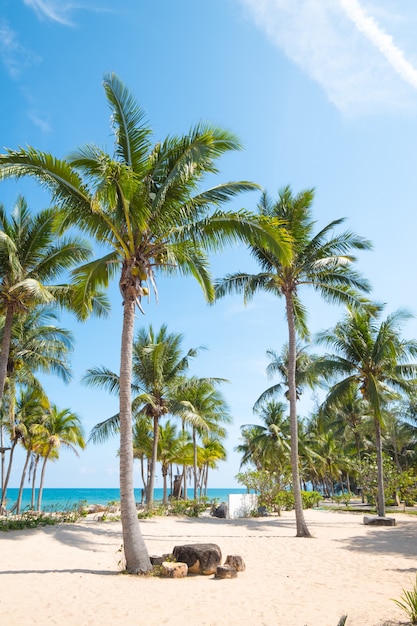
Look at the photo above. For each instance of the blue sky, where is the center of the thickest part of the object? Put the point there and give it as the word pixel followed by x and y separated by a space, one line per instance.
pixel 322 93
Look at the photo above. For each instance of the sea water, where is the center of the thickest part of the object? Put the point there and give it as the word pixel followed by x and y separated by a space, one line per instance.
pixel 65 499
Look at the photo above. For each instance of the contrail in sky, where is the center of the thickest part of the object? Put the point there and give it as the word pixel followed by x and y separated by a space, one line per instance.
pixel 369 27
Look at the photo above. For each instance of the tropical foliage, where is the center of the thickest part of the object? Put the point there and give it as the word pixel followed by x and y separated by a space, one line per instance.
pixel 322 260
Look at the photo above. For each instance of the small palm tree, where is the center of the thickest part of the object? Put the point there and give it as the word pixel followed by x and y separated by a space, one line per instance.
pixel 36 345
pixel 323 261
pixel 370 357
pixel 267 445
pixel 204 408
pixel 58 428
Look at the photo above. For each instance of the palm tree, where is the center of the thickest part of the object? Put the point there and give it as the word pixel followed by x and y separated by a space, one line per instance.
pixel 322 260
pixel 58 428
pixel 370 357
pixel 30 411
pixel 158 364
pixel 32 257
pixel 144 204
pixel 36 345
pixel 267 445
pixel 205 409
pixel 211 452
pixel 305 373
pixel 171 445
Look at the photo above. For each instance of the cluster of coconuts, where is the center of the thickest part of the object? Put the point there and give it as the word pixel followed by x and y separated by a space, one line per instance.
pixel 141 274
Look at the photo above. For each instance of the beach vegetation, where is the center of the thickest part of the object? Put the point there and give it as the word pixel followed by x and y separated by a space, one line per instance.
pixel 323 260
pixel 372 360
pixel 144 205
pixel 408 602
pixel 32 259
pixel 161 389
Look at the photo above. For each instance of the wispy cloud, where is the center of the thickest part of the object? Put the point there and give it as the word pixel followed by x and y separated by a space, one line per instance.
pixel 340 45
pixel 40 122
pixel 54 10
pixel 14 56
pixel 384 42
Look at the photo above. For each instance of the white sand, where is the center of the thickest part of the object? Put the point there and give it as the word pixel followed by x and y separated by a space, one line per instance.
pixel 69 574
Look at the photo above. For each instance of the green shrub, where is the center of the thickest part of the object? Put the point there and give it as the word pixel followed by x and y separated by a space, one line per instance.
pixel 408 603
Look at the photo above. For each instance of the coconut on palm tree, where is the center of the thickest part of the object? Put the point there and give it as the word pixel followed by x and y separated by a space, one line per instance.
pixel 371 358
pixel 144 203
pixel 322 260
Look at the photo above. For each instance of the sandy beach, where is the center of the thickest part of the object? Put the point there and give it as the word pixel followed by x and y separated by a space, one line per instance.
pixel 70 574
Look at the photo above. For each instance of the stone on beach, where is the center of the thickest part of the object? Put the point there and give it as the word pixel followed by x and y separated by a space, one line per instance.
pixel 201 558
pixel 374 520
pixel 171 569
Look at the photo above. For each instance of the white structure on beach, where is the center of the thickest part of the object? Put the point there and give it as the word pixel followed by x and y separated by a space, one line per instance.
pixel 242 504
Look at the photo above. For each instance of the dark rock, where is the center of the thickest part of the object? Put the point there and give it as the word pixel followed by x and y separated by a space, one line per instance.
pixel 262 511
pixel 201 558
pixel 156 560
pixel 225 571
pixel 374 520
pixel 221 511
pixel 236 561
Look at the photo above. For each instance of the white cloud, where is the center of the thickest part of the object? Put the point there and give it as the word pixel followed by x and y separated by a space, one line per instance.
pixel 340 45
pixel 383 42
pixel 40 122
pixel 54 10
pixel 13 55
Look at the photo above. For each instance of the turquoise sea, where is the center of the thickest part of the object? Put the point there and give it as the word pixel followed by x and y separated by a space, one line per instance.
pixel 64 499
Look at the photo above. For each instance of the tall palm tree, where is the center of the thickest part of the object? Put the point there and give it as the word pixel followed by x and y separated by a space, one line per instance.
pixel 370 356
pixel 58 428
pixel 143 202
pixel 322 260
pixel 32 258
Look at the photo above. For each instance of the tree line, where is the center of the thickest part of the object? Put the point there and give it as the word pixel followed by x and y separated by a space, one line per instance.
pixel 148 206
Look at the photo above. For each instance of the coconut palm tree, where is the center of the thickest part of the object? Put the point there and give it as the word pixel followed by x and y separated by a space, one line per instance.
pixel 267 445
pixel 305 373
pixel 32 257
pixel 171 445
pixel 370 357
pixel 205 409
pixel 158 367
pixel 36 345
pixel 211 451
pixel 144 204
pixel 58 428
pixel 323 261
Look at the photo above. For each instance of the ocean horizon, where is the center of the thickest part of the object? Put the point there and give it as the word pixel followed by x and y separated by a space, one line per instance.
pixel 66 498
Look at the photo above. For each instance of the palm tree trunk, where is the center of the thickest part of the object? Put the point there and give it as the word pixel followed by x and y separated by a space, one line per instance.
pixel 35 467
pixel 22 482
pixel 380 468
pixel 136 554
pixel 302 530
pixel 38 507
pixel 6 480
pixel 151 483
pixel 5 349
pixel 195 463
